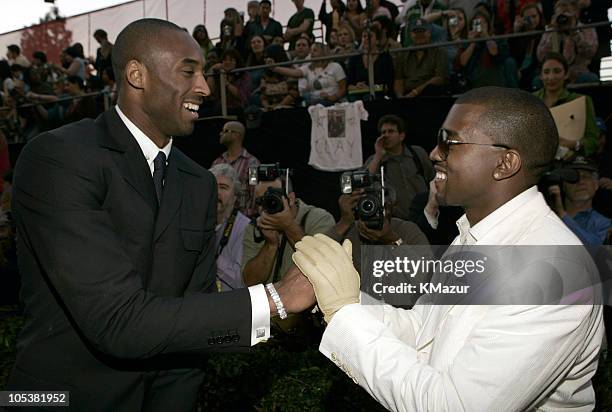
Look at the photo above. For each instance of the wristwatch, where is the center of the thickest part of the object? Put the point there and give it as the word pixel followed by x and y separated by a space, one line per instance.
pixel 398 242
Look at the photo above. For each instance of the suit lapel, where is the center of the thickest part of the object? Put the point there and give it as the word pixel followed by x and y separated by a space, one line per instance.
pixel 128 156
pixel 171 198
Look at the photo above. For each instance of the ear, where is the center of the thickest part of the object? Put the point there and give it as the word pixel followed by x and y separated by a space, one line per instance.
pixel 508 165
pixel 135 73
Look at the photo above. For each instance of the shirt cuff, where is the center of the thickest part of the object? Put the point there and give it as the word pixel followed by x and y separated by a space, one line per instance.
pixel 260 314
pixel 432 220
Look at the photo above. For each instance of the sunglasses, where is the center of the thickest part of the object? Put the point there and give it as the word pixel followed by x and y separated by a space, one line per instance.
pixel 445 141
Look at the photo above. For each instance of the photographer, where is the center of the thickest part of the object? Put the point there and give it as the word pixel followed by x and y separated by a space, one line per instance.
pixel 575 204
pixel 577 45
pixel 394 231
pixel 269 243
pixel 524 49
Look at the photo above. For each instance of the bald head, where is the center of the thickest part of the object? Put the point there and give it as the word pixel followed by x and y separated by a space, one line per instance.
pixel 138 41
pixel 519 120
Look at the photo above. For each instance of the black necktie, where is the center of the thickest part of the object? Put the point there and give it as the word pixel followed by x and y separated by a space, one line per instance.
pixel 159 170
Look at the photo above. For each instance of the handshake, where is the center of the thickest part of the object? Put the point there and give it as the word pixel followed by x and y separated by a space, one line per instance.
pixel 329 268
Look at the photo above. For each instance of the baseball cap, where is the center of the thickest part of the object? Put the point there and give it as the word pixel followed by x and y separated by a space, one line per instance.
pixel 582 163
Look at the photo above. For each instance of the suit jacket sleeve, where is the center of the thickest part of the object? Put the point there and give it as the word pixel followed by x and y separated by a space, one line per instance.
pixel 58 202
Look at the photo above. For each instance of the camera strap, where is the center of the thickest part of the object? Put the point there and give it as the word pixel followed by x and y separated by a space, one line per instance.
pixel 281 250
pixel 227 232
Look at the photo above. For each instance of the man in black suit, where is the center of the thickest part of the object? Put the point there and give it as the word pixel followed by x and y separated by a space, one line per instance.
pixel 115 232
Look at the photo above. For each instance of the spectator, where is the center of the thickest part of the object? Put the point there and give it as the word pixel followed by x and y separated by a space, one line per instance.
pixel 270 259
pixel 456 30
pixel 229 232
pixel 357 68
pixel 387 41
pixel 6 78
pixel 394 231
pixel 578 45
pixel 265 26
pixel 302 48
pixel 238 85
pixel 200 34
pixel 229 39
pixel 232 137
pixel 110 87
pixel 104 52
pixel 331 20
pixel 14 56
pixel 256 58
pixel 524 49
pixel 277 91
pixel 346 41
pixel 301 22
pixel 279 40
pixel 376 9
pixel 554 74
pixel 407 168
pixel 332 43
pixel 325 80
pixel 430 10
pixel 483 62
pixel 575 205
pixel 81 107
pixel 253 12
pixel 76 64
pixel 355 16
pixel 425 71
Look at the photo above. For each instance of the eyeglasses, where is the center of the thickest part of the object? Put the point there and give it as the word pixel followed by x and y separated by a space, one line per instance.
pixel 445 141
pixel 227 131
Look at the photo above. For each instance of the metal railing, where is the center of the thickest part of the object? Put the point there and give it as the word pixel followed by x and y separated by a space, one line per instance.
pixel 371 85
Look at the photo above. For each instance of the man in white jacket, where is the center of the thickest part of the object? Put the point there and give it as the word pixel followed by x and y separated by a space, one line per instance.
pixel 492 149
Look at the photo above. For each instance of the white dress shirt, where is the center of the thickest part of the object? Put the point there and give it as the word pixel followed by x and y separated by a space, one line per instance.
pixel 478 357
pixel 260 309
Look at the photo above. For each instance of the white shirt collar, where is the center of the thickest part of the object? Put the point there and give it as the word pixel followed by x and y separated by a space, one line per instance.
pixel 471 235
pixel 149 149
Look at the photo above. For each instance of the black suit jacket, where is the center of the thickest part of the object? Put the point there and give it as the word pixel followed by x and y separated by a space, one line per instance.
pixel 113 285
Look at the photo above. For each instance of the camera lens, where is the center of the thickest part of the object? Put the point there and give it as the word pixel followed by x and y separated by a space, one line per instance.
pixel 366 208
pixel 562 19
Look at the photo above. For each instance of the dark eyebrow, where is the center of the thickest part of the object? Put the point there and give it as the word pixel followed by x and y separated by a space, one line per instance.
pixel 188 60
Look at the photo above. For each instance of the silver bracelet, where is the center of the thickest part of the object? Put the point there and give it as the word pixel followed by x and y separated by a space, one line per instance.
pixel 280 308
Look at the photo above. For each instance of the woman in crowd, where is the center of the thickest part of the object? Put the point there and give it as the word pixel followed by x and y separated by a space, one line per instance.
pixel 483 62
pixel 277 90
pixel 355 16
pixel 237 85
pixel 325 80
pixel 456 29
pixel 229 39
pixel 524 49
pixel 332 19
pixel 200 34
pixel 554 74
pixel 357 69
pixel 257 46
pixel 76 64
pixel 346 40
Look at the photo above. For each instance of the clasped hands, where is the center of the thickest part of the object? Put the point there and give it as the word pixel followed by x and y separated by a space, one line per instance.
pixel 329 267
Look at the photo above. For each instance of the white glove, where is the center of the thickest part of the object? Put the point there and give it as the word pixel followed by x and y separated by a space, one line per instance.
pixel 329 267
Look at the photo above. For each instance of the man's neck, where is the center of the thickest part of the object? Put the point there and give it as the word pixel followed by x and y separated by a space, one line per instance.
pixel 264 20
pixel 493 201
pixel 145 126
pixel 397 150
pixel 573 207
pixel 224 216
pixel 233 151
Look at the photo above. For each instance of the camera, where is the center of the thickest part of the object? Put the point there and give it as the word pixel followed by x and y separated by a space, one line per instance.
pixel 371 206
pixel 272 199
pixel 453 20
pixel 562 19
pixel 227 30
pixel 477 26
pixel 527 21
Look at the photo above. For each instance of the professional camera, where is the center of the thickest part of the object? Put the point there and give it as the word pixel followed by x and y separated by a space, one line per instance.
pixel 562 20
pixel 272 200
pixel 371 206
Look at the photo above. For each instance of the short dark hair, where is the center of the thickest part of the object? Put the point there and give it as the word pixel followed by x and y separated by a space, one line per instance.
pixel 100 33
pixel 234 54
pixel 13 48
pixel 558 57
pixel 519 120
pixel 268 2
pixel 134 42
pixel 40 56
pixel 394 120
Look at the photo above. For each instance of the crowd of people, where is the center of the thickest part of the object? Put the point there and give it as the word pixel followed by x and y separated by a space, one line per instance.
pixel 122 227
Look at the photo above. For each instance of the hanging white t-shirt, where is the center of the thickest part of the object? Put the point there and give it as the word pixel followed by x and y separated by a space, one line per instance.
pixel 335 139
